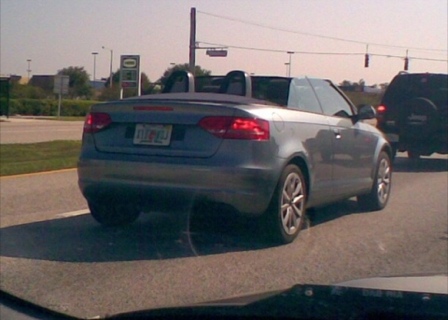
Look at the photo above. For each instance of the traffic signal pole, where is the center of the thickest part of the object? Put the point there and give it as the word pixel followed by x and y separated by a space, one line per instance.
pixel 192 58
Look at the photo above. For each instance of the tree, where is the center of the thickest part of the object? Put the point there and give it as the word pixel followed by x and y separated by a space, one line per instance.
pixel 198 71
pixel 145 84
pixel 115 79
pixel 79 83
pixel 362 83
pixel 345 83
pixel 384 86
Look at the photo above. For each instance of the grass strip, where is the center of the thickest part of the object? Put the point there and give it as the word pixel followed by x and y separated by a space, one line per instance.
pixel 71 118
pixel 37 157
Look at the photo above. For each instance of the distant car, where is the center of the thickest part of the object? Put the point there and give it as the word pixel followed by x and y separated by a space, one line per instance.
pixel 414 113
pixel 265 146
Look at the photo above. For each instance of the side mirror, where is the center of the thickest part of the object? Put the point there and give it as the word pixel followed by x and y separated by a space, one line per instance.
pixel 366 112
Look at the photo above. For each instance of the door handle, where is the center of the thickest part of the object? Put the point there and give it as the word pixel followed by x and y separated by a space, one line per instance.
pixel 337 133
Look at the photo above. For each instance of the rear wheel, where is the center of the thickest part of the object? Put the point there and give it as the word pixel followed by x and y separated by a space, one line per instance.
pixel 286 213
pixel 113 214
pixel 394 151
pixel 413 155
pixel 379 195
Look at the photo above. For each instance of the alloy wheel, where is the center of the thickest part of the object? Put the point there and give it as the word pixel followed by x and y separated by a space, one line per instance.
pixel 383 180
pixel 292 203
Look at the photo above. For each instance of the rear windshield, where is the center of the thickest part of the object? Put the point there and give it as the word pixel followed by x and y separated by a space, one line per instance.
pixel 208 83
pixel 273 89
pixel 430 86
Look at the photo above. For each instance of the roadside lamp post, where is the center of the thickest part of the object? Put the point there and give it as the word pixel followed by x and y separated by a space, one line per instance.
pixel 29 68
pixel 289 63
pixel 94 65
pixel 111 58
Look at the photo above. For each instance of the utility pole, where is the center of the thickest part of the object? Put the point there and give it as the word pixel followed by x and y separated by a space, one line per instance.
pixel 192 58
pixel 287 64
pixel 110 69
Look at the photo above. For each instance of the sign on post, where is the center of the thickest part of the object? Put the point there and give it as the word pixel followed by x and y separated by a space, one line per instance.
pixel 130 72
pixel 60 88
pixel 61 84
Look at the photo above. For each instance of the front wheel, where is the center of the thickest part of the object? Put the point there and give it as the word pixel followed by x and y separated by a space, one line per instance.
pixel 286 213
pixel 113 214
pixel 379 195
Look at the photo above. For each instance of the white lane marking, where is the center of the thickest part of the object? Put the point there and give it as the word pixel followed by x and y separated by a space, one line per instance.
pixel 72 213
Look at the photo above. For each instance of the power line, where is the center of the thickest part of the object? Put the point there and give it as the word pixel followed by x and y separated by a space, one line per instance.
pixel 317 35
pixel 320 53
pixel 280 51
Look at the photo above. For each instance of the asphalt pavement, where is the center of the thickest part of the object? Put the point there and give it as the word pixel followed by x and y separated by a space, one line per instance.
pixel 54 254
pixel 38 129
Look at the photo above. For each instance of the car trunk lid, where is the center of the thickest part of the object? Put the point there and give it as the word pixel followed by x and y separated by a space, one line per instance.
pixel 159 127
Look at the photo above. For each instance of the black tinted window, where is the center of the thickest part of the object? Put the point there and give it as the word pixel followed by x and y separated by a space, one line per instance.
pixel 274 89
pixel 208 83
pixel 405 87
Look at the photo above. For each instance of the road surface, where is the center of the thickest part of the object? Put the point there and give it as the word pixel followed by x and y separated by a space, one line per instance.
pixel 25 130
pixel 54 254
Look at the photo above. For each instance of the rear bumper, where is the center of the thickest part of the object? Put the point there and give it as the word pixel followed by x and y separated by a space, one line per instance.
pixel 392 137
pixel 153 185
pixel 425 144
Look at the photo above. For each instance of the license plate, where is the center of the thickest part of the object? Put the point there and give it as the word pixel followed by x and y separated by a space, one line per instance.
pixel 152 134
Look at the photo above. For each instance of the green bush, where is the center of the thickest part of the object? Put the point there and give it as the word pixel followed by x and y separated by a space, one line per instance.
pixel 4 106
pixel 49 107
pixel 76 108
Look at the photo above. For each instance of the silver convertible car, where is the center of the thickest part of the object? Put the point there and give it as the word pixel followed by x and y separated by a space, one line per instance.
pixel 269 147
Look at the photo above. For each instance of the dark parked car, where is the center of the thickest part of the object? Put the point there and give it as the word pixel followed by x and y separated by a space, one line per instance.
pixel 414 113
pixel 265 146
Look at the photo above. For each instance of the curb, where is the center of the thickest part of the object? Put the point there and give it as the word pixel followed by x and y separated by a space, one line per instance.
pixel 24 175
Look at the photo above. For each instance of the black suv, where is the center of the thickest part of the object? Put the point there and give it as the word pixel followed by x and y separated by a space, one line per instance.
pixel 414 113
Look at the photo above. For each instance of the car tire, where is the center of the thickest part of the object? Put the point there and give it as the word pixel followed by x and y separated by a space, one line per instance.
pixel 394 152
pixel 286 213
pixel 413 155
pixel 379 195
pixel 113 214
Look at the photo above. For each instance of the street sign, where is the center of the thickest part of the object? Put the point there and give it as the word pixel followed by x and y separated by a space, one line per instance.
pixel 61 84
pixel 60 87
pixel 216 53
pixel 130 71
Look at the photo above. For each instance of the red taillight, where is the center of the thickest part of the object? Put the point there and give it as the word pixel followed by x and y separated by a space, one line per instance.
pixel 381 109
pixel 380 113
pixel 96 121
pixel 236 127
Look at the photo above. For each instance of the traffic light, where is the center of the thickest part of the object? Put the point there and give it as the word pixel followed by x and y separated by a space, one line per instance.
pixel 406 64
pixel 366 61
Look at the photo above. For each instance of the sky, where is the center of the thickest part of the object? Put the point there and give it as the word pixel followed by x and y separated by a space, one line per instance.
pixel 329 38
